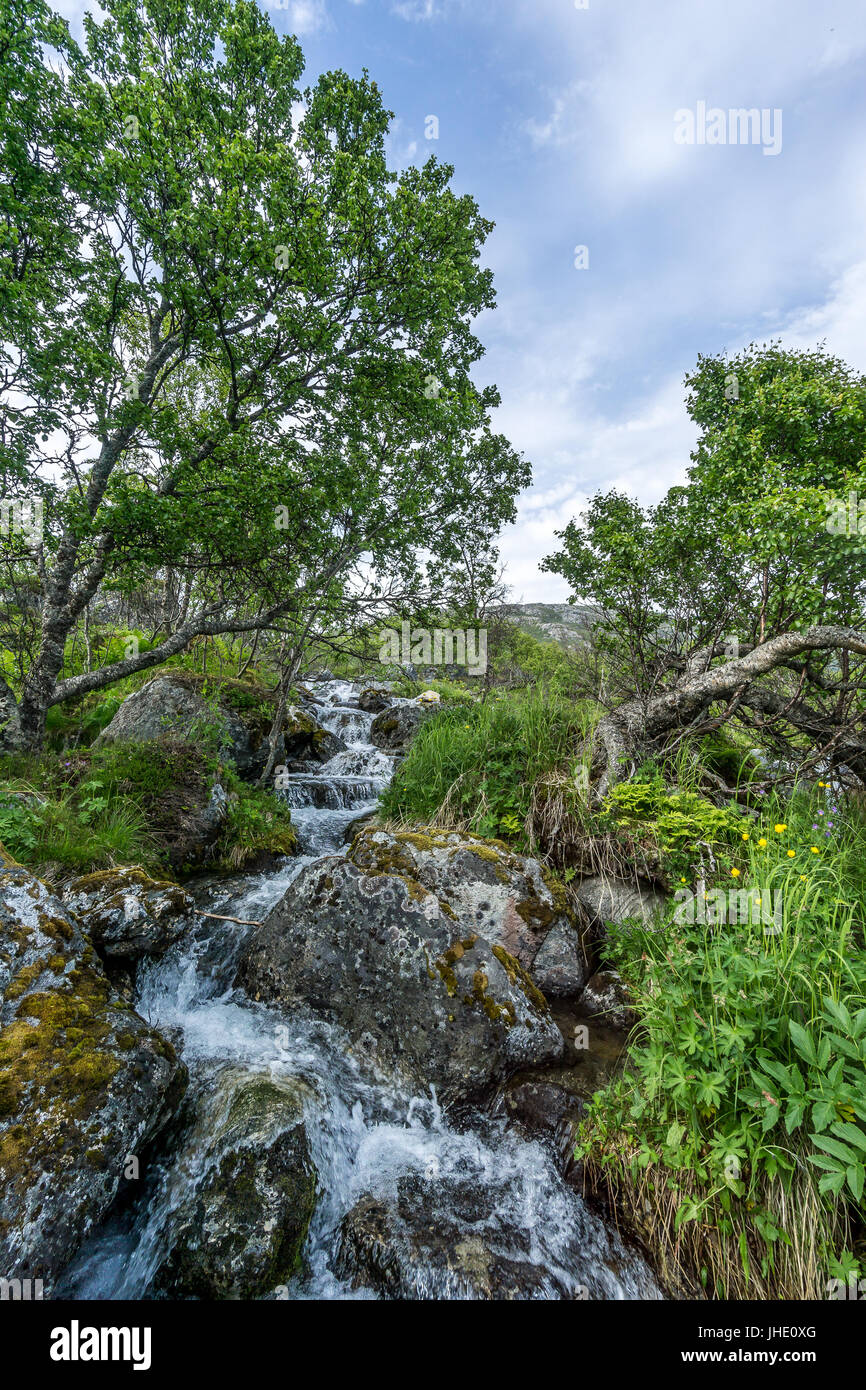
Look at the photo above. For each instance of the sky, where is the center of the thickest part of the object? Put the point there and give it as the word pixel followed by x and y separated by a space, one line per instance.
pixel 561 119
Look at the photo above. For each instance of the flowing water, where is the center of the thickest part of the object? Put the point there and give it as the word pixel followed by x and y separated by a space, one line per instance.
pixel 477 1179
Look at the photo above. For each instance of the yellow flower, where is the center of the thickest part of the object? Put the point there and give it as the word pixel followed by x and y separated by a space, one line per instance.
pixel 682 880
pixel 814 849
pixel 745 834
pixel 735 872
pixel 762 844
pixel 822 784
pixel 780 828
pixel 802 878
pixel 791 853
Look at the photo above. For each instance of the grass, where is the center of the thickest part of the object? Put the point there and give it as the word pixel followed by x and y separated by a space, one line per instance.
pixel 130 804
pixel 735 1139
pixel 474 767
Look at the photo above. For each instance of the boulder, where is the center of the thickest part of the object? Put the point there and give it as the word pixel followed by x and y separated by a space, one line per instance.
pixel 607 999
pixel 172 705
pixel 305 740
pixel 425 993
pixel 392 1247
pixel 86 1083
pixel 239 1231
pixel 238 721
pixel 510 899
pixel 395 728
pixel 615 900
pixel 127 914
pixel 374 699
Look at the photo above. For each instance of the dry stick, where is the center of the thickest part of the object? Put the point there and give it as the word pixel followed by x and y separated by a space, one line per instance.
pixel 242 921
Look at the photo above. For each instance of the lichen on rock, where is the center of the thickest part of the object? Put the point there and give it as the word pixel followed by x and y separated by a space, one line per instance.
pixel 85 1081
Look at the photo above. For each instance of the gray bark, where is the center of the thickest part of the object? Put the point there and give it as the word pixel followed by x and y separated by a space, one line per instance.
pixel 626 734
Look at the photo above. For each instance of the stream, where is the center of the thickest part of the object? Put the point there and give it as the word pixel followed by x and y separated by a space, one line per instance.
pixel 476 1178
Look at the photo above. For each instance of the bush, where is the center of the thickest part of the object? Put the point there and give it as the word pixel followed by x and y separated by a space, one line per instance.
pixel 739 1122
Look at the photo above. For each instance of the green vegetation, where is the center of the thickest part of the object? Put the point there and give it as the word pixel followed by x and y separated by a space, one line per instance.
pixel 475 767
pixel 736 1137
pixel 131 804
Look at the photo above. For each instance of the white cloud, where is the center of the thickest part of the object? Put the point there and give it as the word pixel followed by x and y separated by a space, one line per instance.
pixel 415 11
pixel 304 17
pixel 839 320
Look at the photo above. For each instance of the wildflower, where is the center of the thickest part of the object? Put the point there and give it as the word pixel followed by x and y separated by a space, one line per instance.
pixel 822 784
pixel 791 853
pixel 779 829
pixel 762 843
pixel 735 872
pixel 745 834
pixel 802 878
pixel 814 849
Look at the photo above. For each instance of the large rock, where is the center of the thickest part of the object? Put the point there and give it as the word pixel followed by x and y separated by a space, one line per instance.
pixel 238 719
pixel 392 1247
pixel 127 914
pixel 85 1083
pixel 607 999
pixel 509 899
pixel 615 900
pixel 414 986
pixel 374 699
pixel 394 729
pixel 239 1232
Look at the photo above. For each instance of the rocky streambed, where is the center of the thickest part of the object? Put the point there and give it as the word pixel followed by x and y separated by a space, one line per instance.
pixel 357 1077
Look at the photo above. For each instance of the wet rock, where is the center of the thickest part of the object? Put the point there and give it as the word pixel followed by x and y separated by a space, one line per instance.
pixel 239 718
pixel 127 914
pixel 607 998
pixel 356 826
pixel 374 699
pixel 239 1230
pixel 394 729
pixel 383 957
pixel 614 900
pixel 542 1107
pixel 509 899
pixel 304 740
pixel 84 1082
pixel 394 1249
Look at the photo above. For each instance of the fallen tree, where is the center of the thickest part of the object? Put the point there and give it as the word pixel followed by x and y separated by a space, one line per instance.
pixel 739 600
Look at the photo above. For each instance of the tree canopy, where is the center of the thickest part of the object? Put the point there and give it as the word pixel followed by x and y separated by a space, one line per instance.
pixel 237 347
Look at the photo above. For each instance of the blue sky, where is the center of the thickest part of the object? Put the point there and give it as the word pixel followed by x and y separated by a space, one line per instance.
pixel 560 121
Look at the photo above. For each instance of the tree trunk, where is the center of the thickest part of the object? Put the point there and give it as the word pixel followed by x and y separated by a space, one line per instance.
pixel 627 734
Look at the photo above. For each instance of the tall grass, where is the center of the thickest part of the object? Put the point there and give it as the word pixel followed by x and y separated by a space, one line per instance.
pixel 474 767
pixel 736 1136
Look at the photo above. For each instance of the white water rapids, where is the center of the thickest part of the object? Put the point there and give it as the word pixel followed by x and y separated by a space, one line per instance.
pixel 365 1135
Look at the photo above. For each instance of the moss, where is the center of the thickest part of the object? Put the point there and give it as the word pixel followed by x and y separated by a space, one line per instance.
pixel 27 977
pixel 518 976
pixel 56 1061
pixel 445 963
